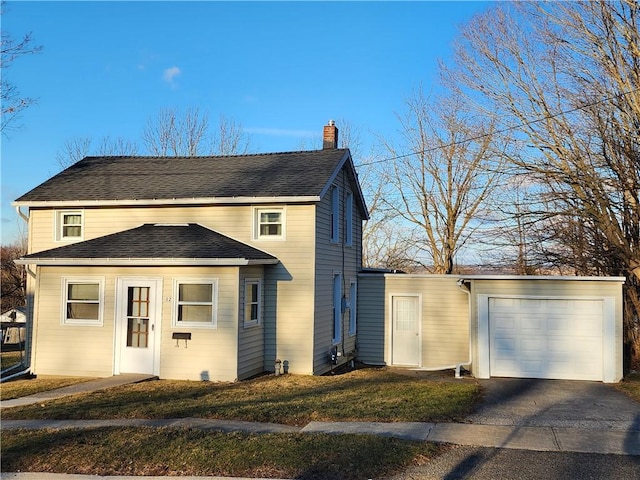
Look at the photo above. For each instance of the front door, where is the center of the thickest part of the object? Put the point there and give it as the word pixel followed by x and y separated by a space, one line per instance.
pixel 405 337
pixel 138 325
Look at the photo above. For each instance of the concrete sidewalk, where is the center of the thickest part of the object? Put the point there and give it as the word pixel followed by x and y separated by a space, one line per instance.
pixel 545 439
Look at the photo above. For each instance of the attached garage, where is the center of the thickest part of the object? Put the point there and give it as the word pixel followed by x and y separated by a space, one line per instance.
pixel 497 326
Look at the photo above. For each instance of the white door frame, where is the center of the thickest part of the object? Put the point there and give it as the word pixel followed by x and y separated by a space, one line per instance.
pixel 608 332
pixel 155 284
pixel 418 327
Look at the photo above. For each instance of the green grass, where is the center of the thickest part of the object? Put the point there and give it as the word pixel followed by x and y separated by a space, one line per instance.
pixel 145 451
pixel 361 395
pixel 23 387
pixel 631 386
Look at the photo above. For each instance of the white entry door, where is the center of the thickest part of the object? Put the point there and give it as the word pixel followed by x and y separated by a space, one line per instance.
pixel 138 325
pixel 405 348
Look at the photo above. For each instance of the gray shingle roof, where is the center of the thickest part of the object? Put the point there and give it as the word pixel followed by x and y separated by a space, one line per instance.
pixel 290 174
pixel 189 241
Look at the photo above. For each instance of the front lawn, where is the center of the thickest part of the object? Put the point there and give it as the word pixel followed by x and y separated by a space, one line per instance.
pixel 23 387
pixel 175 452
pixel 362 395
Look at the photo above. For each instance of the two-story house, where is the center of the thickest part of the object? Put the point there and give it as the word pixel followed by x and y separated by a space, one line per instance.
pixel 195 268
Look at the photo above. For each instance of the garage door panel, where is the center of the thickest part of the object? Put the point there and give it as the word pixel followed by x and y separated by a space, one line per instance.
pixel 546 338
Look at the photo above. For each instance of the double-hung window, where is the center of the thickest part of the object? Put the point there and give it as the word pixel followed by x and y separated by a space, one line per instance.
pixel 252 302
pixel 269 224
pixel 69 225
pixel 337 308
pixel 335 214
pixel 195 303
pixel 348 213
pixel 83 301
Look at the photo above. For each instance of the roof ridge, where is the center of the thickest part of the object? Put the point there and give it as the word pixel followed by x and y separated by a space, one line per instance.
pixel 216 156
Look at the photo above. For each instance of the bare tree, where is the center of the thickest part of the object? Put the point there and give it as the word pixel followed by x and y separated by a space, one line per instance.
pixel 13 103
pixel 564 77
pixel 175 134
pixel 13 277
pixel 75 149
pixel 230 138
pixel 441 185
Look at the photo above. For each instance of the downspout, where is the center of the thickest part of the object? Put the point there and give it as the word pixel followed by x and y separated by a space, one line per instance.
pixel 456 366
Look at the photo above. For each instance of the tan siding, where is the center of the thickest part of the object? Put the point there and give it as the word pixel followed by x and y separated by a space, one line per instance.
pixel 371 319
pixel 250 339
pixel 89 350
pixel 289 286
pixel 330 258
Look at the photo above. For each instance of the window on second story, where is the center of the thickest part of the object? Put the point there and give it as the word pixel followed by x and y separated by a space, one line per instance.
pixel 69 225
pixel 348 210
pixel 269 224
pixel 335 214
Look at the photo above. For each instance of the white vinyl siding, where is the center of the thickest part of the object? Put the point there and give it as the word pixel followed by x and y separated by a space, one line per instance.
pixel 195 303
pixel 83 301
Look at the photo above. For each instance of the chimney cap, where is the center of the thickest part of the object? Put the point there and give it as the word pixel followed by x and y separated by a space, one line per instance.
pixel 331 123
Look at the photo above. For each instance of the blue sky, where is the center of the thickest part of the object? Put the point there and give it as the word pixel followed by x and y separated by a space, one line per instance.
pixel 280 69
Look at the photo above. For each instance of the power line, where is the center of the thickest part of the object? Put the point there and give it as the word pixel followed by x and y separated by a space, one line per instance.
pixel 498 132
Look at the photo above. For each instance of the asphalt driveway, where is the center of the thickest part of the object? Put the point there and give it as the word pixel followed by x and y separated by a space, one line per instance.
pixel 556 403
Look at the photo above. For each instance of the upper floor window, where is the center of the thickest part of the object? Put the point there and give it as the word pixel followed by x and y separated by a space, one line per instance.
pixel 348 210
pixel 82 301
pixel 269 223
pixel 335 214
pixel 195 303
pixel 69 225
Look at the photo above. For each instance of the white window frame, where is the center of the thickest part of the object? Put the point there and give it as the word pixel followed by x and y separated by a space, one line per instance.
pixel 348 211
pixel 335 214
pixel 353 306
pixel 175 323
pixel 257 321
pixel 66 281
pixel 337 308
pixel 257 211
pixel 59 225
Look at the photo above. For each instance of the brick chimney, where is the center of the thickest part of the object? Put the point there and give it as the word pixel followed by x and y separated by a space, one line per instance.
pixel 330 136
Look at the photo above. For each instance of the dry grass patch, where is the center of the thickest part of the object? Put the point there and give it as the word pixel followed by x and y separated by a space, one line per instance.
pixel 361 395
pixel 174 452
pixel 24 387
pixel 631 386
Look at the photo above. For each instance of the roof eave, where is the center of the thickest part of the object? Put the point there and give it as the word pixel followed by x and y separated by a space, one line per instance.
pixel 141 262
pixel 166 201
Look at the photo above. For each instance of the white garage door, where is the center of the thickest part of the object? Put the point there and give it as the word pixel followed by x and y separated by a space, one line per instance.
pixel 546 338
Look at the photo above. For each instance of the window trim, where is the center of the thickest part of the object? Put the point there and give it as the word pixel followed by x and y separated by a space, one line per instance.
pixel 252 322
pixel 175 323
pixel 353 307
pixel 348 210
pixel 337 308
pixel 335 214
pixel 66 281
pixel 256 223
pixel 59 225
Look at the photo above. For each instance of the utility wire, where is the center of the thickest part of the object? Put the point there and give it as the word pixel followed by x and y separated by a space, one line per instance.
pixel 504 130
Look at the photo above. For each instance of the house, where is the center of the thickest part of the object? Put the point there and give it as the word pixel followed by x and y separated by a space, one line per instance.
pixel 214 268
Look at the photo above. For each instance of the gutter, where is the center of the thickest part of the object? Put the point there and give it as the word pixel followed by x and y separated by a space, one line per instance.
pixel 222 262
